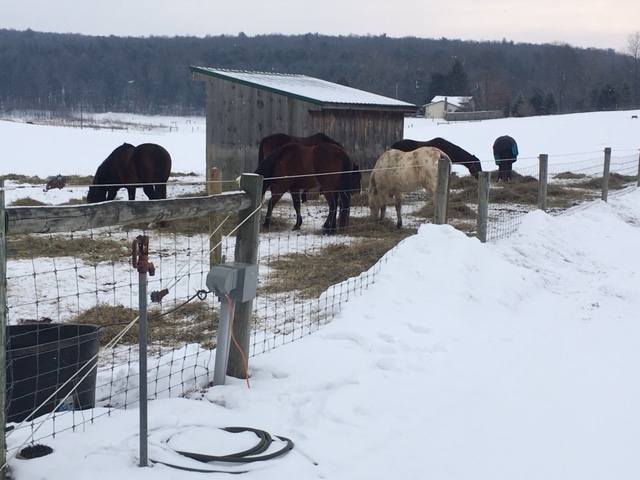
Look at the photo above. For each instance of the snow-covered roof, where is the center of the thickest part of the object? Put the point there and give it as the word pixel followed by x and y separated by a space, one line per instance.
pixel 456 101
pixel 305 88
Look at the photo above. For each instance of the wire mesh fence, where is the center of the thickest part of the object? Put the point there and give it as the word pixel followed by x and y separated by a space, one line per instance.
pixel 87 279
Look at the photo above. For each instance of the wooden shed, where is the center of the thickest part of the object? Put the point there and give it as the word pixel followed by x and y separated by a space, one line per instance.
pixel 243 107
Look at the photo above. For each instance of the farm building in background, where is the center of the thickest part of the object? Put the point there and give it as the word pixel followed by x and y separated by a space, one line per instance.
pixel 440 106
pixel 244 107
pixel 457 109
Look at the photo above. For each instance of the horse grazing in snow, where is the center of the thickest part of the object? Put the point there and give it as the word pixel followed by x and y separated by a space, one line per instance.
pixel 396 173
pixel 505 152
pixel 454 152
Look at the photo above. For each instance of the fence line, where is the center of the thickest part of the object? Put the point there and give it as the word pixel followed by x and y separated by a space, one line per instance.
pixel 64 287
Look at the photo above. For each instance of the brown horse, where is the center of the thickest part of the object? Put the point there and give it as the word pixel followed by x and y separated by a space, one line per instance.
pixel 271 142
pixel 293 168
pixel 454 152
pixel 147 166
pixel 396 173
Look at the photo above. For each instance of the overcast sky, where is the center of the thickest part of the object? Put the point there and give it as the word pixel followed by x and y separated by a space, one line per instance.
pixel 584 23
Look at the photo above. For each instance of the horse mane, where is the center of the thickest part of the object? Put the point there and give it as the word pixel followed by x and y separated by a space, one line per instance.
pixel 452 150
pixel 347 168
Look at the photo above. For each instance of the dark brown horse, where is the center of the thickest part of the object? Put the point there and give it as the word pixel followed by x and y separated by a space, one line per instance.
pixel 269 143
pixel 454 152
pixel 293 168
pixel 147 166
pixel 505 152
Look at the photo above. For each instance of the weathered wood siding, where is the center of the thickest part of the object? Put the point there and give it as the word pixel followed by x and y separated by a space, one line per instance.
pixel 239 116
pixel 365 134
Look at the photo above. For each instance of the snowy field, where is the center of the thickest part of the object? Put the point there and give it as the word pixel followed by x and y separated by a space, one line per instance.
pixel 514 359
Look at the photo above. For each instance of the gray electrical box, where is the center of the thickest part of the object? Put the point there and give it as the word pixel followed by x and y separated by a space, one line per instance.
pixel 238 280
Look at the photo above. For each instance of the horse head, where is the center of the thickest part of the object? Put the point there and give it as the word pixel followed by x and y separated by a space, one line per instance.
pixel 475 167
pixel 97 193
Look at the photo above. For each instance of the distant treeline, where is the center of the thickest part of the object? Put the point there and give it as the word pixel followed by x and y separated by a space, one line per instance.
pixel 62 73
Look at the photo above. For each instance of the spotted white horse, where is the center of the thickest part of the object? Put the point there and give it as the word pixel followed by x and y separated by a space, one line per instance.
pixel 396 173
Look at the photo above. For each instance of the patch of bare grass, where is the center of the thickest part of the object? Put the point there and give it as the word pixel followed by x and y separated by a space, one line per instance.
pixel 26 202
pixel 89 249
pixel 310 275
pixel 195 322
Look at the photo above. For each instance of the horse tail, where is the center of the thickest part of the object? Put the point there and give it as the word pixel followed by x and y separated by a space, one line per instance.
pixel 260 152
pixel 266 168
pixel 373 186
pixel 163 166
pixel 345 180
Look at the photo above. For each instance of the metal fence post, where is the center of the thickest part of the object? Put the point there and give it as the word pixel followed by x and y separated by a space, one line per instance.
pixel 441 199
pixel 140 261
pixel 543 175
pixel 483 206
pixel 605 174
pixel 246 251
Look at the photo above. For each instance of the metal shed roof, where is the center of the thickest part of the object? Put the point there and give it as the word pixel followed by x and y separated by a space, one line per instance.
pixel 305 88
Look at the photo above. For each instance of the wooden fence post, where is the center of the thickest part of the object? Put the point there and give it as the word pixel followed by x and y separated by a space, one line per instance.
pixel 483 206
pixel 246 252
pixel 214 187
pixel 3 327
pixel 441 199
pixel 543 174
pixel 605 174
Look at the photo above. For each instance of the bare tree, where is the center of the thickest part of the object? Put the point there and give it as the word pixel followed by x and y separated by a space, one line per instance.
pixel 633 47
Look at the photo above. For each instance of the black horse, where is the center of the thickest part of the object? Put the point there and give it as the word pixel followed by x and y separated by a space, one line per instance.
pixel 147 166
pixel 454 152
pixel 505 152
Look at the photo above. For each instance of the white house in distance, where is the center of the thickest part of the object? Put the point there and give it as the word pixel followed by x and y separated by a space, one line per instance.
pixel 441 105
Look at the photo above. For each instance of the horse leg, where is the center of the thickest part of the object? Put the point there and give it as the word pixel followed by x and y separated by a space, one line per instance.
pixel 509 169
pixel 160 190
pixel 150 191
pixel 330 224
pixel 502 171
pixel 112 192
pixel 132 193
pixel 383 212
pixel 398 211
pixel 345 210
pixel 296 197
pixel 275 197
